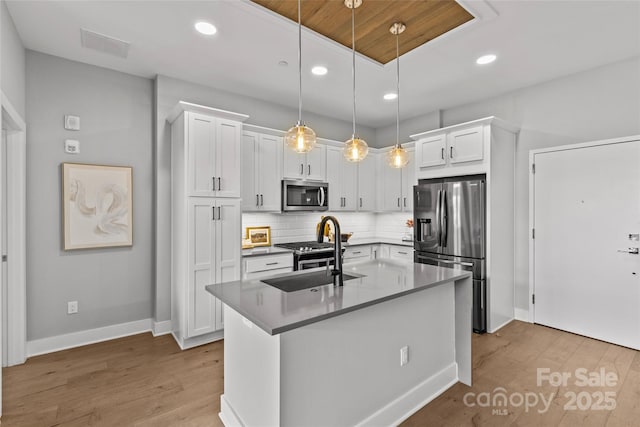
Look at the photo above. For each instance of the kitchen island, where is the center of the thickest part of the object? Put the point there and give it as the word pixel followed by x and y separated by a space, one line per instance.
pixel 332 355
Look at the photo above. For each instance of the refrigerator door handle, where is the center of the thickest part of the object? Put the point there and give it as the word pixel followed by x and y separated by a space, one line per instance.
pixel 438 223
pixel 445 261
pixel 444 223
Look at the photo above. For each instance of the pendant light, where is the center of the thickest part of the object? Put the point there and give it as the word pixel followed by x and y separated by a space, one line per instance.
pixel 355 149
pixel 300 138
pixel 398 156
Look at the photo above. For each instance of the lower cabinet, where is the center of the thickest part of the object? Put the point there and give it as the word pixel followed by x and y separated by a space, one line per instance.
pixel 259 267
pixel 206 250
pixel 396 252
pixel 357 253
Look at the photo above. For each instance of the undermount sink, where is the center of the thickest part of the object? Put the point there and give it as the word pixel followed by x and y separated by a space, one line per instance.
pixel 304 281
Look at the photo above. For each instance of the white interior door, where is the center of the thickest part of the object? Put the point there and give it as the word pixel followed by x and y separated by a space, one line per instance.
pixel 3 245
pixel 586 213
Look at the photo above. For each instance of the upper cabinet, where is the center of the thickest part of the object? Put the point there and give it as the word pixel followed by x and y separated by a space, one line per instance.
pixel 211 149
pixel 307 166
pixel 395 186
pixel 457 150
pixel 342 178
pixel 367 183
pixel 261 172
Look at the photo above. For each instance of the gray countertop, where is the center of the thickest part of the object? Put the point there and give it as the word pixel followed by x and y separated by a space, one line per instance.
pixel 270 250
pixel 273 250
pixel 276 311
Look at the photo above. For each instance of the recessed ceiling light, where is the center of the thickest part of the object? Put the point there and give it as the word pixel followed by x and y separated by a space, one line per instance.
pixel 389 96
pixel 205 28
pixel 485 59
pixel 319 70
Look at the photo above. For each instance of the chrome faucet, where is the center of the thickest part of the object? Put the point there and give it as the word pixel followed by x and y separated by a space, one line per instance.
pixel 337 249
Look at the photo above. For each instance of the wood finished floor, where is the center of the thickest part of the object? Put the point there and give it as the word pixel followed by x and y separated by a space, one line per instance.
pixel 146 381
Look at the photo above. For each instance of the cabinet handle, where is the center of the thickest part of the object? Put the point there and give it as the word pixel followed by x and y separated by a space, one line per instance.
pixel 451 152
pixel 213 213
pixel 213 183
pixel 257 200
pixel 357 252
pixel 308 169
pixel 442 153
pixel 261 200
pixel 301 169
pixel 360 201
pixel 219 184
pixel 405 202
pixel 398 201
pixel 219 213
pixel 272 263
pixel 402 253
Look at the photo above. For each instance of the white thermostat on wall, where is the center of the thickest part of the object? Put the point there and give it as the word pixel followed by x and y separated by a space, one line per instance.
pixel 71 146
pixel 72 122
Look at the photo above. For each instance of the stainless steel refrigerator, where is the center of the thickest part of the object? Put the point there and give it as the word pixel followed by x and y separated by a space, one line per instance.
pixel 450 231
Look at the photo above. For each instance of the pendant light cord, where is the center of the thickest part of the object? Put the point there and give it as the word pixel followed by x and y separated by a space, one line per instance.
pixel 299 65
pixel 398 89
pixel 353 68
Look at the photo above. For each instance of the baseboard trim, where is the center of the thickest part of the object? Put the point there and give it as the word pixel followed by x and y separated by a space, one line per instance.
pixel 187 343
pixel 522 315
pixel 502 325
pixel 409 403
pixel 227 415
pixel 90 336
pixel 161 328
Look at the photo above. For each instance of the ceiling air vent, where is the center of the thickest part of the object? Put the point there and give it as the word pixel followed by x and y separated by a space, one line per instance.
pixel 104 44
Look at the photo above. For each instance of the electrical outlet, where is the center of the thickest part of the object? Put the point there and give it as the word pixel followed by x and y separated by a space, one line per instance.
pixel 404 355
pixel 72 307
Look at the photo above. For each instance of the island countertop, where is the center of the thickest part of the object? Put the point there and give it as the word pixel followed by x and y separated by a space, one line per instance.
pixel 276 311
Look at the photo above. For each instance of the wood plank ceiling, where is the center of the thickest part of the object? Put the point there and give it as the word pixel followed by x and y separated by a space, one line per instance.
pixel 425 20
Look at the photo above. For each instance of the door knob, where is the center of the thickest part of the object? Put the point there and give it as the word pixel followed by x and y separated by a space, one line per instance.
pixel 633 251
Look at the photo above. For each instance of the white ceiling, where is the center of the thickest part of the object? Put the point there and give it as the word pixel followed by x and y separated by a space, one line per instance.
pixel 535 41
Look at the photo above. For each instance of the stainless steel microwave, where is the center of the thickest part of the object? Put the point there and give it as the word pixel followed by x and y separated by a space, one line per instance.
pixel 304 196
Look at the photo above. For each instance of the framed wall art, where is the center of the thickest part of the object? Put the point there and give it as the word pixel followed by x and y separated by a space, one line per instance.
pixel 97 206
pixel 259 236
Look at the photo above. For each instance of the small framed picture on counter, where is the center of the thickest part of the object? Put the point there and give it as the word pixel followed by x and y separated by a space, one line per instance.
pixel 259 236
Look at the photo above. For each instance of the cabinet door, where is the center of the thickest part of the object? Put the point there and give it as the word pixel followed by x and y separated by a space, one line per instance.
pixel 228 158
pixel 200 303
pixel 349 184
pixel 293 164
pixel 316 165
pixel 432 151
pixel 408 181
pixel 227 247
pixel 466 145
pixel 250 171
pixel 269 177
pixel 391 188
pixel 367 184
pixel 202 154
pixel 334 178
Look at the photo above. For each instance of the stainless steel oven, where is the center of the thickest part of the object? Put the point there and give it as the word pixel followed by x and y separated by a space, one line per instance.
pixel 304 196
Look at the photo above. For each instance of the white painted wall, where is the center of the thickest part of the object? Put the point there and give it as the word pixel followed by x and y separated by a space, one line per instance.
pixel 112 285
pixel 12 62
pixel 597 104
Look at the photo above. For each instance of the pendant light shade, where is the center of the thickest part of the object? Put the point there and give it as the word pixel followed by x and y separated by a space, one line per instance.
pixel 300 138
pixel 398 156
pixel 355 149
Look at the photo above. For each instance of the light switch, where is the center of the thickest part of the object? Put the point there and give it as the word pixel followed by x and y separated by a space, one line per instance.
pixel 72 122
pixel 71 146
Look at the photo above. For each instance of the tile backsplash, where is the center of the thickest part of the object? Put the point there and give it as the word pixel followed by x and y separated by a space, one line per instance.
pixel 293 227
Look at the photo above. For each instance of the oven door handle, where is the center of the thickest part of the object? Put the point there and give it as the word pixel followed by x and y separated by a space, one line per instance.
pixel 302 263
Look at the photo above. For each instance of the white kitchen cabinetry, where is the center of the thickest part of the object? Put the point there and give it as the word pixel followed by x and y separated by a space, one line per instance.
pixel 309 166
pixel 342 177
pixel 401 253
pixel 357 253
pixel 367 183
pixel 206 220
pixel 395 186
pixel 261 172
pixel 258 267
pixel 212 143
pixel 485 146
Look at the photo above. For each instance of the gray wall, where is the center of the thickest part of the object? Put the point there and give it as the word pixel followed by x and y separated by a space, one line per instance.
pixel 598 104
pixel 12 62
pixel 111 285
pixel 386 136
pixel 168 92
